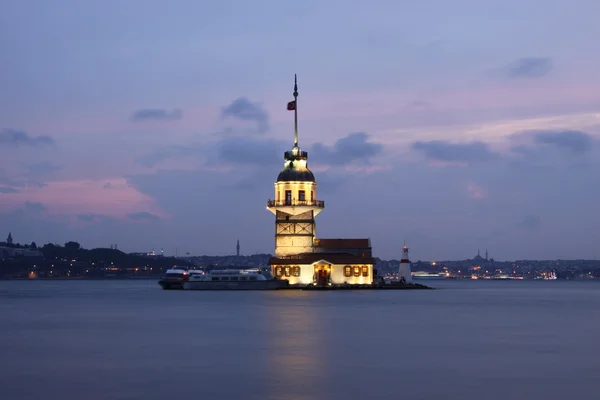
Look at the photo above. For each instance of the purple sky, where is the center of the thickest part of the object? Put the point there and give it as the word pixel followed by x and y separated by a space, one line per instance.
pixel 453 125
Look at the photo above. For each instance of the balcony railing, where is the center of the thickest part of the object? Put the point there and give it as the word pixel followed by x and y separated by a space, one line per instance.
pixel 294 203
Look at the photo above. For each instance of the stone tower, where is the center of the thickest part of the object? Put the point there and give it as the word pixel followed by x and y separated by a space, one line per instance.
pixel 295 205
pixel 9 239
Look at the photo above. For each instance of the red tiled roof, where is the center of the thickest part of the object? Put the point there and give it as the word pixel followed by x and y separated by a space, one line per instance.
pixel 342 243
pixel 309 258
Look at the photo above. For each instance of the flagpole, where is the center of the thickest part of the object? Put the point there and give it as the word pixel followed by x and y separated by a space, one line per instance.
pixel 295 111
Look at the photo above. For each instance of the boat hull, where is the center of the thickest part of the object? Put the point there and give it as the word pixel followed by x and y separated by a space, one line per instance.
pixel 237 285
pixel 171 284
pixel 429 278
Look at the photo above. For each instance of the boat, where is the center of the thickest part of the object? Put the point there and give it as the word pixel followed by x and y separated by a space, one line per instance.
pixel 176 276
pixel 234 279
pixel 429 275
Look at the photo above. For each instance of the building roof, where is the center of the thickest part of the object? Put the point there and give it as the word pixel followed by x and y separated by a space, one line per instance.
pixel 295 175
pixel 310 258
pixel 343 243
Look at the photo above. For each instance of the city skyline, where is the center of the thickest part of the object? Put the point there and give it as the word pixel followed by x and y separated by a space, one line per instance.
pixel 168 131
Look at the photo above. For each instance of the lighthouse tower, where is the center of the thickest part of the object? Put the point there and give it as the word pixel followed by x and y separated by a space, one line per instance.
pixel 295 205
pixel 404 273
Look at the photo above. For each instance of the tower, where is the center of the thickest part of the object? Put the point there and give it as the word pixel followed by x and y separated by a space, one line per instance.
pixel 486 255
pixel 404 273
pixel 9 239
pixel 237 248
pixel 295 205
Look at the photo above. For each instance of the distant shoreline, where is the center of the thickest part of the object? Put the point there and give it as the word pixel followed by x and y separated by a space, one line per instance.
pixel 84 278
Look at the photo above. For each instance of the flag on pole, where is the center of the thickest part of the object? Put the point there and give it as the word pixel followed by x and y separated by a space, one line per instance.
pixel 291 105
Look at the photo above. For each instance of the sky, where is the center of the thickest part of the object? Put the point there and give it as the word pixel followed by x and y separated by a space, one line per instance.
pixel 451 125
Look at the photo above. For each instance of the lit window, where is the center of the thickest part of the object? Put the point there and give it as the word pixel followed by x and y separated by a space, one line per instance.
pixel 287 271
pixel 347 271
pixel 357 271
pixel 365 270
pixel 296 271
pixel 278 271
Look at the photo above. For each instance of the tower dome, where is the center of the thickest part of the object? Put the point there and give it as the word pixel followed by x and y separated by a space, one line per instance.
pixel 295 168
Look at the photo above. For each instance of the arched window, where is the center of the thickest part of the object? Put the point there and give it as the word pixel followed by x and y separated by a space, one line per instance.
pixel 278 271
pixel 356 271
pixel 365 270
pixel 347 271
pixel 288 271
pixel 296 270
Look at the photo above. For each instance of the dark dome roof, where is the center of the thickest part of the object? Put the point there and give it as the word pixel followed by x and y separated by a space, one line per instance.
pixel 292 174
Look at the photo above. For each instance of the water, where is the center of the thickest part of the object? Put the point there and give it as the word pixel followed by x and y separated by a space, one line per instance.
pixel 131 340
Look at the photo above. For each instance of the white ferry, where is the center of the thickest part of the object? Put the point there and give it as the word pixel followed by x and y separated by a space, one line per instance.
pixel 418 275
pixel 234 279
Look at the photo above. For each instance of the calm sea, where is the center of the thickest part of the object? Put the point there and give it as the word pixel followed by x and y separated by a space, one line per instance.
pixel 132 340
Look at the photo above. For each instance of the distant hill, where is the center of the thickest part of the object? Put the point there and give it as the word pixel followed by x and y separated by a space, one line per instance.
pixel 71 260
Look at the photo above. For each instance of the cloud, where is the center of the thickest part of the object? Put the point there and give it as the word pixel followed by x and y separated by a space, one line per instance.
pixel 33 207
pixel 156 114
pixel 530 67
pixel 354 148
pixel 42 168
pixel 575 141
pixel 107 185
pixel 476 191
pixel 21 183
pixel 18 138
pixel 93 217
pixel 143 215
pixel 440 150
pixel 418 105
pixel 245 110
pixel 529 221
pixel 6 190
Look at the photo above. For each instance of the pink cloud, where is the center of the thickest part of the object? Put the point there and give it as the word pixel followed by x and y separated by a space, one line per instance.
pixel 475 191
pixel 109 197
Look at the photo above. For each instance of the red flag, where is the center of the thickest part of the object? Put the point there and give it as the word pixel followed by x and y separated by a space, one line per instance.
pixel 292 105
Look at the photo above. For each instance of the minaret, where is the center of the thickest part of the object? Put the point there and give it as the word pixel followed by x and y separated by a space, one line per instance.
pixel 404 271
pixel 237 248
pixel 295 205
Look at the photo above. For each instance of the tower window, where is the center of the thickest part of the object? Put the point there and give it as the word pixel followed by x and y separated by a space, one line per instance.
pixel 287 271
pixel 365 271
pixel 288 197
pixel 297 270
pixel 312 196
pixel 301 195
pixel 356 271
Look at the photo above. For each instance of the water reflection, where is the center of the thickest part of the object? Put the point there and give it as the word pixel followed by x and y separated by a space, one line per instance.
pixel 295 362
